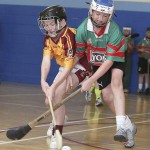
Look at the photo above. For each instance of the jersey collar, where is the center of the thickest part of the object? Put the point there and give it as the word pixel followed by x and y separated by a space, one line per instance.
pixel 90 26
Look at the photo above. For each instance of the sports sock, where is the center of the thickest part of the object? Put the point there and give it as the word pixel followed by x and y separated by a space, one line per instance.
pixel 140 86
pixel 128 123
pixel 97 93
pixel 57 127
pixel 120 120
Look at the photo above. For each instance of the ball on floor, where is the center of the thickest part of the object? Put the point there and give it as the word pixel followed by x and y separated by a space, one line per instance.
pixel 66 148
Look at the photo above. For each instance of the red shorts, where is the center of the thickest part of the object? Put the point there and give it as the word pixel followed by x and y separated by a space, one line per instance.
pixel 81 74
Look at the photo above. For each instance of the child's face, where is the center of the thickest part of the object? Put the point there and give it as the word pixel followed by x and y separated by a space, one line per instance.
pixel 50 26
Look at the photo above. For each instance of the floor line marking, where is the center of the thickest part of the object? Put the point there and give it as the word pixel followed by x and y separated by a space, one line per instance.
pixel 74 132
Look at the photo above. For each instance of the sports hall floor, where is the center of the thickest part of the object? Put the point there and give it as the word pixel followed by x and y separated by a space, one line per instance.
pixel 88 127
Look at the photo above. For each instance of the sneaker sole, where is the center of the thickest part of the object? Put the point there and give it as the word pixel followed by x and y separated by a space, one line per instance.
pixel 99 105
pixel 120 138
pixel 128 146
pixel 133 144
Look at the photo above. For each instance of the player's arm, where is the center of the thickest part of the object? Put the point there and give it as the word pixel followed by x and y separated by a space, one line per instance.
pixel 76 60
pixel 131 45
pixel 45 68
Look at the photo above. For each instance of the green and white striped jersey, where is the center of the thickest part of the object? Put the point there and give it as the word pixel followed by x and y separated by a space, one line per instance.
pixel 143 48
pixel 109 44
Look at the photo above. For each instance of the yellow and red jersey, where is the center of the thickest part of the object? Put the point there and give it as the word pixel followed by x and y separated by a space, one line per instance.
pixel 63 50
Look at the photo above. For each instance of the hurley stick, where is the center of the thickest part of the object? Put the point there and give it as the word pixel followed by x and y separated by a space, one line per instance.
pixel 19 132
pixel 57 132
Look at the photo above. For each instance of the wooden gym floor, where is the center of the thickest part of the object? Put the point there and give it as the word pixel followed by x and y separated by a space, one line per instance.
pixel 88 127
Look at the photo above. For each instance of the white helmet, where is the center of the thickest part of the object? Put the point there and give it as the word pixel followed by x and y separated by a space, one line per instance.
pixel 105 6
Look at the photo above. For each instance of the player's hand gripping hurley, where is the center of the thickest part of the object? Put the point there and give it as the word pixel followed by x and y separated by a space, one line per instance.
pixel 57 133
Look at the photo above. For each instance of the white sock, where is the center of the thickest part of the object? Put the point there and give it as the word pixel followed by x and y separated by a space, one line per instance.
pixel 146 86
pixel 140 86
pixel 120 120
pixel 128 123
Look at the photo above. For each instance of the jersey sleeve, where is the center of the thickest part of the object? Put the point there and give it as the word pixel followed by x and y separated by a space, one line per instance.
pixel 116 46
pixel 47 48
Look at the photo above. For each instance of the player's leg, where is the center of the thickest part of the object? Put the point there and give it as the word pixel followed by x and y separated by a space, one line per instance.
pixel 140 84
pixel 125 128
pixel 60 113
pixel 119 103
pixel 108 98
pixel 88 94
pixel 142 69
pixel 104 85
pixel 146 83
pixel 77 75
pixel 98 95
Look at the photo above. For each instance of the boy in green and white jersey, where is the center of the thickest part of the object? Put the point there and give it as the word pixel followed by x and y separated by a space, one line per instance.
pixel 128 57
pixel 100 38
pixel 143 48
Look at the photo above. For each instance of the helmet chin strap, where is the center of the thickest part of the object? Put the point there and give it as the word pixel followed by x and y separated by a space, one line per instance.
pixel 61 29
pixel 54 34
pixel 96 24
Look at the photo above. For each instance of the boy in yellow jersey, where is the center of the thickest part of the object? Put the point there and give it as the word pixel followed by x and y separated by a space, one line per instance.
pixel 59 43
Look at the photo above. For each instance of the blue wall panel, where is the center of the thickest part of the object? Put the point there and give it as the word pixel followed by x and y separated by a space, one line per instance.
pixel 21 41
pixel 21 44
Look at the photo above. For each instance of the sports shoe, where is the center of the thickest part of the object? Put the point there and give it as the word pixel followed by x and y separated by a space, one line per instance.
pixel 98 102
pixel 126 90
pixel 130 134
pixel 53 144
pixel 121 135
pixel 50 129
pixel 139 91
pixel 66 148
pixel 146 91
pixel 88 96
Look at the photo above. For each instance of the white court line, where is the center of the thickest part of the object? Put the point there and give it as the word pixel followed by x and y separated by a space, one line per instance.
pixel 20 95
pixel 23 105
pixel 80 121
pixel 74 132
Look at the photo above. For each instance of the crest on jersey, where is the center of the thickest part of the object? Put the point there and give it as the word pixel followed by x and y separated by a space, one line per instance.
pixel 97 57
pixel 70 53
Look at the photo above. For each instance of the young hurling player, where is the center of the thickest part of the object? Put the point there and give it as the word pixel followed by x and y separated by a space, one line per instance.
pixel 100 39
pixel 143 48
pixel 59 43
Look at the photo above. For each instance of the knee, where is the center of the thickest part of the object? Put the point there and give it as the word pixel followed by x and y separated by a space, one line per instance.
pixel 46 102
pixel 116 84
pixel 108 98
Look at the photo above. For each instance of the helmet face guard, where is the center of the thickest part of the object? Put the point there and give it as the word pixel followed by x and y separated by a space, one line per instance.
pixel 104 6
pixel 45 29
pixel 56 13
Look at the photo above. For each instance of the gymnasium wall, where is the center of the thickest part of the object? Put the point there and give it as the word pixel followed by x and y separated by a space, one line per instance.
pixel 21 41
